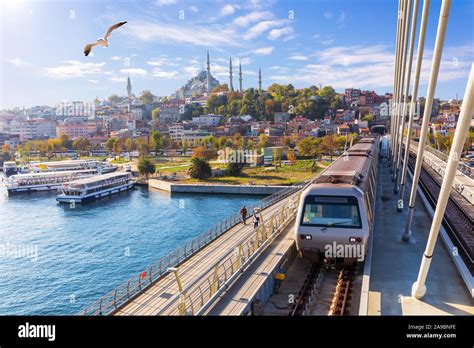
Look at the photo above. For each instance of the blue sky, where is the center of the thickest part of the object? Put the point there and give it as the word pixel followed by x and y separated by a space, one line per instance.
pixel 343 43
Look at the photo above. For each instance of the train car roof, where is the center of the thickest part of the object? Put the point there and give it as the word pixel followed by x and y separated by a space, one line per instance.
pixel 353 167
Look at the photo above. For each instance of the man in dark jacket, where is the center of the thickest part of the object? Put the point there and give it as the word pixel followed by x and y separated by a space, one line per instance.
pixel 243 214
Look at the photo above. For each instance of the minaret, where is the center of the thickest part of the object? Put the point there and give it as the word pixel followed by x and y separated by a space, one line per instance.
pixel 259 81
pixel 231 86
pixel 240 77
pixel 208 74
pixel 129 90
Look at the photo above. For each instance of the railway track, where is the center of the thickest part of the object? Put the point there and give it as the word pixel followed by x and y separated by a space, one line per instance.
pixel 326 290
pixel 458 218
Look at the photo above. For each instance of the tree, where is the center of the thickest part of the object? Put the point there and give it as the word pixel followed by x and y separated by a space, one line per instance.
pixel 81 144
pixel 203 152
pixel 145 166
pixel 221 88
pixel 234 169
pixel 277 157
pixel 147 97
pixel 369 117
pixel 200 168
pixel 309 146
pixel 65 141
pixel 290 154
pixel 142 147
pixel 115 99
pixel 110 144
pixel 329 145
pixel 129 144
pixel 6 148
pixel 262 141
pixel 155 116
pixel 156 141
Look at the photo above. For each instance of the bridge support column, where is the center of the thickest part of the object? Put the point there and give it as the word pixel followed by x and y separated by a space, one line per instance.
pixel 440 35
pixel 467 109
pixel 412 109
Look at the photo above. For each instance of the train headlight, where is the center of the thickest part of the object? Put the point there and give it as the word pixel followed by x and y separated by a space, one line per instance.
pixel 355 239
pixel 305 236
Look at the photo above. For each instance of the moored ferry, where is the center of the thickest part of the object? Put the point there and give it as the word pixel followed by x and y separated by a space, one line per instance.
pixel 44 181
pixel 90 189
pixel 56 166
pixel 69 165
pixel 10 168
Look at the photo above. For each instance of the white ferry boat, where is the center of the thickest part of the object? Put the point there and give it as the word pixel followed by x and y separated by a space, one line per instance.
pixel 101 167
pixel 44 181
pixel 90 189
pixel 9 168
pixel 69 165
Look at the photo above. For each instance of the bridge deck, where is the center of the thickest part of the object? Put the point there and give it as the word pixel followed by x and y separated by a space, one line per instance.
pixel 154 301
pixel 235 300
pixel 395 264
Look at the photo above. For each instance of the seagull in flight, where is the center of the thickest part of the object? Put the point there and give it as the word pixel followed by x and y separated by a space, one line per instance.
pixel 102 41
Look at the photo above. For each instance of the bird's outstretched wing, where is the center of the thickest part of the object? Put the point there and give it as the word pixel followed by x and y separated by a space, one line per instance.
pixel 88 47
pixel 113 27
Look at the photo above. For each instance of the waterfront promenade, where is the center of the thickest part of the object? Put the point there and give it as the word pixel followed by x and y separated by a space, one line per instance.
pixel 162 297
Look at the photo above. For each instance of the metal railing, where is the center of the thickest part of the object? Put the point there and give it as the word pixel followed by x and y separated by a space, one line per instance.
pixel 199 295
pixel 463 168
pixel 138 284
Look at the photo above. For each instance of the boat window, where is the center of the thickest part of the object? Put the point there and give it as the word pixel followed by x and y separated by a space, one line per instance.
pixel 329 211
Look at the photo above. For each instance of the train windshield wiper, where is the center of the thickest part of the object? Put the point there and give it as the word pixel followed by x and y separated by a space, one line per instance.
pixel 334 224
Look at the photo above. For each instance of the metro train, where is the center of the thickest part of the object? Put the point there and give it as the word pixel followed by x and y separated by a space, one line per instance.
pixel 336 211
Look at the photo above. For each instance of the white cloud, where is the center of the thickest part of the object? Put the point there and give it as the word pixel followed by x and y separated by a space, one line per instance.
pixel 72 69
pixel 191 70
pixel 157 72
pixel 194 35
pixel 252 17
pixel 228 9
pixel 17 62
pixel 162 61
pixel 166 2
pixel 118 79
pixel 327 42
pixel 116 58
pixel 277 33
pixel 370 67
pixel 245 61
pixel 299 57
pixel 194 9
pixel 134 71
pixel 278 67
pixel 260 28
pixel 264 51
pixel 328 15
pixel 93 81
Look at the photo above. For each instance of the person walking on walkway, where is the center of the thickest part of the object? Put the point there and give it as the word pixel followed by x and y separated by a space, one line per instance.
pixel 256 220
pixel 243 215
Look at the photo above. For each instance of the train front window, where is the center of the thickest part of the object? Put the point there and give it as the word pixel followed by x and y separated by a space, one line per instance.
pixel 329 211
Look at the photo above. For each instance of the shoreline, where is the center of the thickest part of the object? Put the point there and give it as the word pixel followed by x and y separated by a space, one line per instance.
pixel 214 188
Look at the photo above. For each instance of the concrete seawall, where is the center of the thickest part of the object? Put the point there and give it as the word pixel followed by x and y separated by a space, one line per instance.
pixel 211 188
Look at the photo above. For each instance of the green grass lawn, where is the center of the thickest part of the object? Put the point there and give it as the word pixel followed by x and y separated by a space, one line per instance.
pixel 284 175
